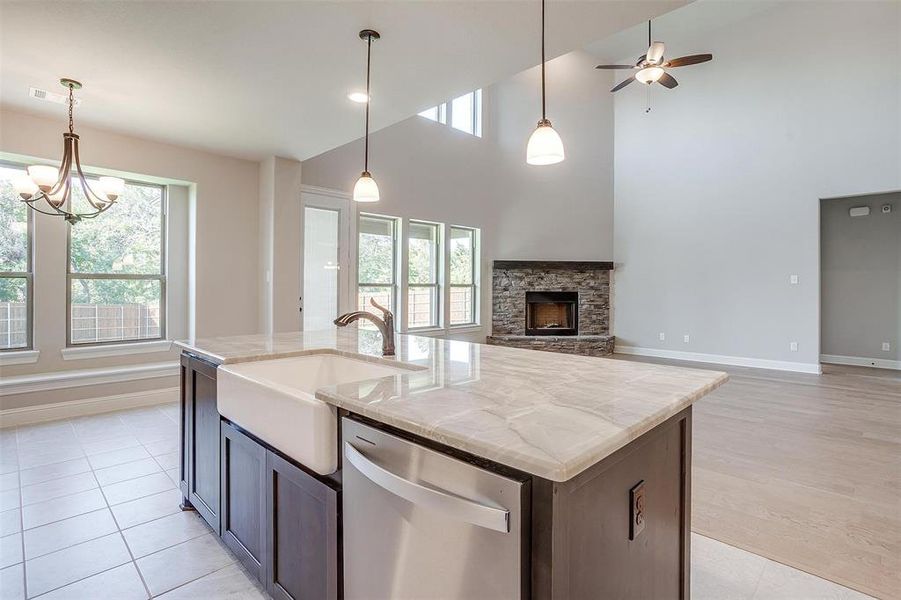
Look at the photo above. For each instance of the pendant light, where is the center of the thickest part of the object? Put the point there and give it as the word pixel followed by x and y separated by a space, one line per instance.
pixel 55 186
pixel 366 190
pixel 545 146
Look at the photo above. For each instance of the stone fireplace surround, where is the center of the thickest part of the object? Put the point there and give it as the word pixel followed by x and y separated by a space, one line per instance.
pixel 510 281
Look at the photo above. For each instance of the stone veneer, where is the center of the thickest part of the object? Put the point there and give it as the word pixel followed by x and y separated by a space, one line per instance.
pixel 512 279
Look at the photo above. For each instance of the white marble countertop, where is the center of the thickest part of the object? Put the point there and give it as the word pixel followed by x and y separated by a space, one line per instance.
pixel 551 415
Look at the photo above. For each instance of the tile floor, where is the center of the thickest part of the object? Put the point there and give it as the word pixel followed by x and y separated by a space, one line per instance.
pixel 89 510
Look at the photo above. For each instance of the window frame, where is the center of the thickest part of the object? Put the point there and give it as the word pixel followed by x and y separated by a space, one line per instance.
pixel 436 310
pixel 445 113
pixel 474 286
pixel 161 277
pixel 394 261
pixel 27 275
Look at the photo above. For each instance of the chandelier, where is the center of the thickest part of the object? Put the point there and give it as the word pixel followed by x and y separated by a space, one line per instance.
pixel 55 186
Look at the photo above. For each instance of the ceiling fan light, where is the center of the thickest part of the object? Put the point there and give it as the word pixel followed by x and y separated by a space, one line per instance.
pixel 43 176
pixel 25 187
pixel 545 146
pixel 366 189
pixel 649 74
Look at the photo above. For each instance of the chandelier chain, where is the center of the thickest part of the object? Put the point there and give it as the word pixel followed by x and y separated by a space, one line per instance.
pixel 71 102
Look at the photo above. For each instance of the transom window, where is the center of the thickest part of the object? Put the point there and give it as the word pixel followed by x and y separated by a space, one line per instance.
pixel 422 279
pixel 463 112
pixel 376 268
pixel 462 275
pixel 15 264
pixel 117 275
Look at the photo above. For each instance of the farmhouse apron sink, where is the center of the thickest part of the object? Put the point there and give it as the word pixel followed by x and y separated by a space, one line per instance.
pixel 275 401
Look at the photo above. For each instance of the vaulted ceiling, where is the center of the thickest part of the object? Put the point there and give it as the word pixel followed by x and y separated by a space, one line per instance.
pixel 252 79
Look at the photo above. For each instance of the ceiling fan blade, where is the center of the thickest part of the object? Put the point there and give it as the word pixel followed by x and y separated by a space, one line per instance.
pixel 641 59
pixel 667 81
pixel 683 61
pixel 655 53
pixel 615 67
pixel 623 83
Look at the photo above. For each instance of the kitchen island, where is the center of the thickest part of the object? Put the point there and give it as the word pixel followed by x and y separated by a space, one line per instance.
pixel 600 450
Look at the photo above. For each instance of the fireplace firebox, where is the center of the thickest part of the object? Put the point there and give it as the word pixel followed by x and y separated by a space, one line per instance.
pixel 552 313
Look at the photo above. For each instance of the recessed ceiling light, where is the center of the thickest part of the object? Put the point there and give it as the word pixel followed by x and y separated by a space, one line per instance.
pixel 358 97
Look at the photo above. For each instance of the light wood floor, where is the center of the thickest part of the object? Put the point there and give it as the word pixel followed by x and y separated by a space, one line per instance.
pixel 804 470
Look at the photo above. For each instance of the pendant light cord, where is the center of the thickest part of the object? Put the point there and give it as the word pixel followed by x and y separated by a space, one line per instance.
pixel 368 100
pixel 649 33
pixel 543 93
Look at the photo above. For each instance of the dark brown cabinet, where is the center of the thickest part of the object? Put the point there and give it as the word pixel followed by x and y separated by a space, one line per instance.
pixel 280 521
pixel 301 533
pixel 244 499
pixel 200 438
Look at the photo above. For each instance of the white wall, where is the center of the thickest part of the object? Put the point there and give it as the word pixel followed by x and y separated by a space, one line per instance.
pixel 718 188
pixel 281 245
pixel 430 171
pixel 861 277
pixel 221 247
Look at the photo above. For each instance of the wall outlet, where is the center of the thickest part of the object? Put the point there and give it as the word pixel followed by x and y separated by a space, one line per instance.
pixel 637 510
pixel 685 338
pixel 661 336
pixel 886 347
pixel 793 279
pixel 793 346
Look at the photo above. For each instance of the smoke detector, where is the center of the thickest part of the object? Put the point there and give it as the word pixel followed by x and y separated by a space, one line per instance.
pixel 46 96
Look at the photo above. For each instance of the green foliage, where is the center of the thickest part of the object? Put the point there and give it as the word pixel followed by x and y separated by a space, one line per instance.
pixel 376 258
pixel 127 238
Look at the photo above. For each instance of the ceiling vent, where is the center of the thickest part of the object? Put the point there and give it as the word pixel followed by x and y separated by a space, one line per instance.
pixel 45 96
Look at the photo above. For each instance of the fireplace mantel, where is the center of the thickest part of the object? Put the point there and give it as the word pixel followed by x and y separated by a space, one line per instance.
pixel 574 265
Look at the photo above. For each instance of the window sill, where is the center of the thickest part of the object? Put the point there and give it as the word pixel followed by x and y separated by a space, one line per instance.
pixel 422 330
pixel 467 328
pixel 19 357
pixel 104 350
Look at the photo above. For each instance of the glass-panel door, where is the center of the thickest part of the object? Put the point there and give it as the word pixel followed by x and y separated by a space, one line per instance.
pixel 321 267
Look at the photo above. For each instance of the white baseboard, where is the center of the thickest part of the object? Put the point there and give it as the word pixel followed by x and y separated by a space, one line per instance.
pixel 12 417
pixel 720 359
pixel 861 361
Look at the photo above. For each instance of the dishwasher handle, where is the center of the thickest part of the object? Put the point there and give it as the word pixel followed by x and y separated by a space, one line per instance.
pixel 448 503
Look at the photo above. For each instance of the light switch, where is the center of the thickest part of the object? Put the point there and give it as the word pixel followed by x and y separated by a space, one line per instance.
pixel 793 279
pixel 793 346
pixel 661 336
pixel 886 347
pixel 685 338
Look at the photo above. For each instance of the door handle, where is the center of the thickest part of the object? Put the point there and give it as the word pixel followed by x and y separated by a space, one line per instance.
pixel 437 499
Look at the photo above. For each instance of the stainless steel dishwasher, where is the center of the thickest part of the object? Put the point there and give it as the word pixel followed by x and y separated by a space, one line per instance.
pixel 421 524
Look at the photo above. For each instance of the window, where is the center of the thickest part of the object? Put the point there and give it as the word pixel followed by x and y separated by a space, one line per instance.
pixel 465 113
pixel 436 113
pixel 463 262
pixel 422 276
pixel 376 270
pixel 117 277
pixel 15 264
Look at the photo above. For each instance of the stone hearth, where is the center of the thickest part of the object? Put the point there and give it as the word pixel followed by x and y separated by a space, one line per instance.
pixel 511 279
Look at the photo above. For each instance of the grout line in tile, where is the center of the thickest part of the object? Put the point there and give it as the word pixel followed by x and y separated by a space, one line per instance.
pixel 122 536
pixel 181 585
pixel 77 580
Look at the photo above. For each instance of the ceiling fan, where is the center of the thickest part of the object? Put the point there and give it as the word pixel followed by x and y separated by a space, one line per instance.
pixel 651 67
